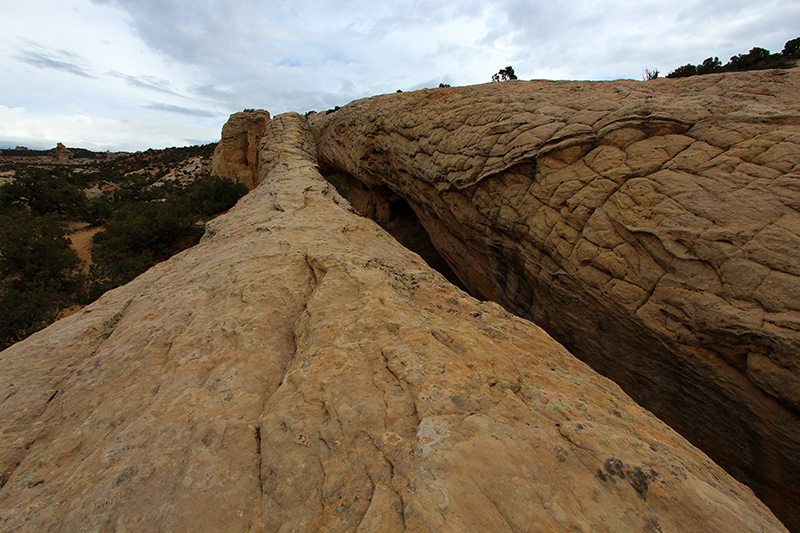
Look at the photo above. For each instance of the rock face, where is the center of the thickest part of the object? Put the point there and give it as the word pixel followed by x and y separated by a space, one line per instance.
pixel 62 154
pixel 299 370
pixel 236 155
pixel 652 228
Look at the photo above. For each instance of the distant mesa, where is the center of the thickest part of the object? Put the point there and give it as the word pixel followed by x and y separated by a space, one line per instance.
pixel 60 155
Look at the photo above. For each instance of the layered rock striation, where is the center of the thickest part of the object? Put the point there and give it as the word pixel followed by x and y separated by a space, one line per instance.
pixel 299 370
pixel 652 228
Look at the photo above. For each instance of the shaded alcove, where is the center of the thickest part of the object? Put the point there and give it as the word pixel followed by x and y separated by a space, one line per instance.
pixel 394 214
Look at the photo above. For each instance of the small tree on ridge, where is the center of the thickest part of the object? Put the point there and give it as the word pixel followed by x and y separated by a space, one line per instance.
pixel 505 75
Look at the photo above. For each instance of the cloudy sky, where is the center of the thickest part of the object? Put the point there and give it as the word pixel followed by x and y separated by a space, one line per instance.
pixel 135 74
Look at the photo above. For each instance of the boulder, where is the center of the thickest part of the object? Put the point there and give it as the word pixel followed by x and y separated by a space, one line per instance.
pixel 236 155
pixel 653 228
pixel 299 370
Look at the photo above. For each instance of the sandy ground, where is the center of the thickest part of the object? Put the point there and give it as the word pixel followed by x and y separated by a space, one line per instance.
pixel 81 242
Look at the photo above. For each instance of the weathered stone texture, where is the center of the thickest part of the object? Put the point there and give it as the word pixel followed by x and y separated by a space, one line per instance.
pixel 236 155
pixel 299 370
pixel 652 228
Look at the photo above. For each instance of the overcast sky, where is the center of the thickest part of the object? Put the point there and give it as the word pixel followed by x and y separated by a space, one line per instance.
pixel 136 74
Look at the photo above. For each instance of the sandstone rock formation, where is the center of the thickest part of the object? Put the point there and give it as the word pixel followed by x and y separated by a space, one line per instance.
pixel 236 155
pixel 62 153
pixel 299 370
pixel 652 228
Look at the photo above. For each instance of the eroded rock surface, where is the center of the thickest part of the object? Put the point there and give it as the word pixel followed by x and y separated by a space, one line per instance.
pixel 299 370
pixel 236 155
pixel 652 228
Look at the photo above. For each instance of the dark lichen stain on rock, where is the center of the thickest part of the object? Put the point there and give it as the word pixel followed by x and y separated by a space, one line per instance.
pixel 639 477
pixel 651 525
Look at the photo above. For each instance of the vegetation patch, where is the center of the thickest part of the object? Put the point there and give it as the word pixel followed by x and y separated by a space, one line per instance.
pixel 756 59
pixel 144 218
pixel 341 188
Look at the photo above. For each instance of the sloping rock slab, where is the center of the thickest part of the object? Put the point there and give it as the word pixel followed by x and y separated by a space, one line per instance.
pixel 653 228
pixel 299 370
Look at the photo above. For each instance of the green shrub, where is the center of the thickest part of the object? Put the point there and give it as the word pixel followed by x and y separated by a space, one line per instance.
pixel 137 237
pixel 505 74
pixel 34 248
pixel 756 59
pixel 210 195
pixel 43 192
pixel 141 234
pixel 37 269
pixel 791 50
pixel 24 311
pixel 98 211
pixel 146 222
pixel 683 72
pixel 650 74
pixel 336 181
pixel 710 65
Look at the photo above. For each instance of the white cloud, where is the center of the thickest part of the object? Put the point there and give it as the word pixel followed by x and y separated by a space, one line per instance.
pixel 43 131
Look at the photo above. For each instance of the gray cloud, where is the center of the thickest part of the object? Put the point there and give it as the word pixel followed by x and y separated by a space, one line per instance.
pixel 204 60
pixel 56 59
pixel 182 110
pixel 277 44
pixel 145 82
pixel 211 92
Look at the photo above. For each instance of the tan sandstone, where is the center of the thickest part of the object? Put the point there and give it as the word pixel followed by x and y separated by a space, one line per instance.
pixel 299 370
pixel 652 228
pixel 236 155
